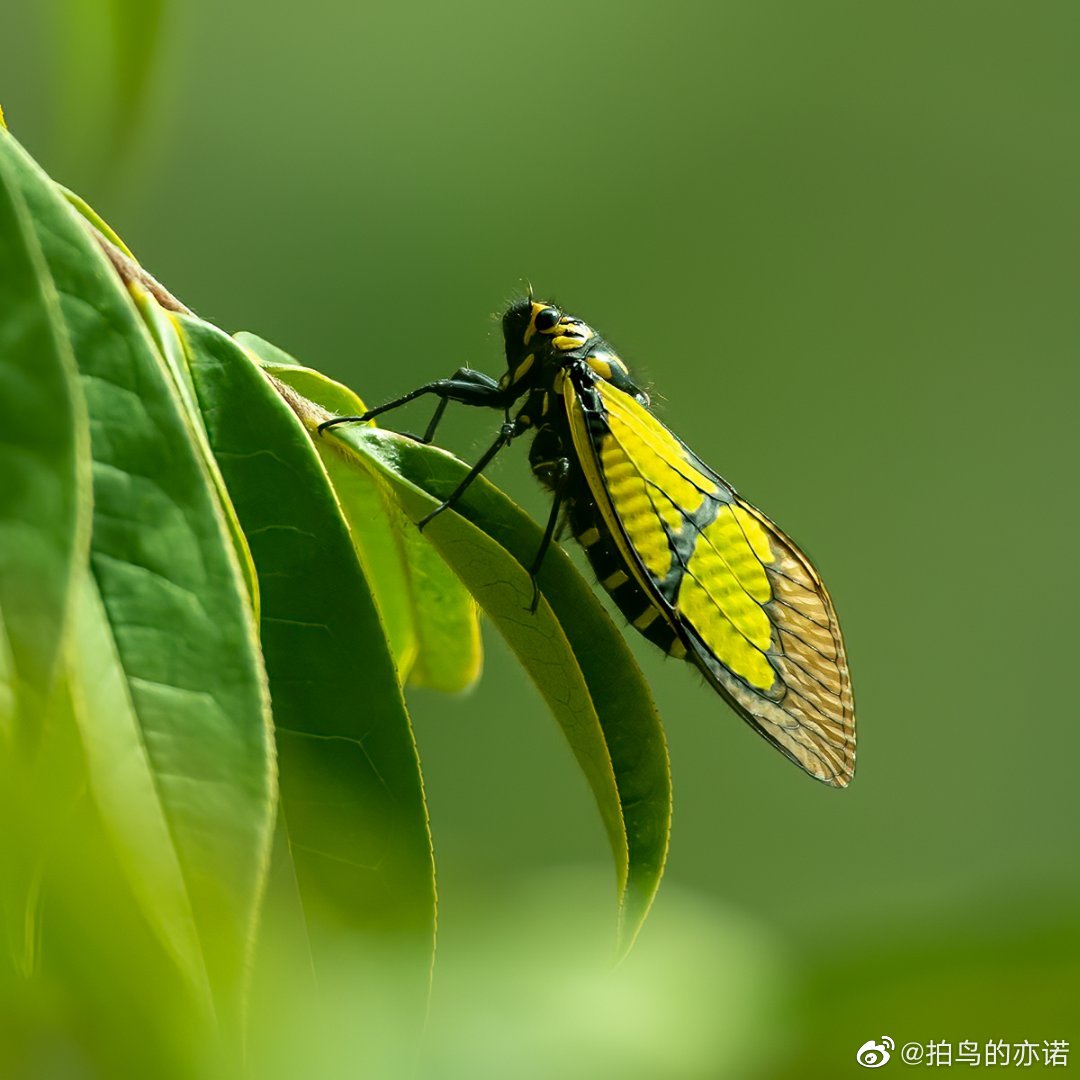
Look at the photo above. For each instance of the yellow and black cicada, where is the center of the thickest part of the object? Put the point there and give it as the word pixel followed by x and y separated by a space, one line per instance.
pixel 698 571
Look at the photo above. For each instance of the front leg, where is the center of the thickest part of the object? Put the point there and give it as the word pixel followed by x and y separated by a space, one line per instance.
pixel 465 385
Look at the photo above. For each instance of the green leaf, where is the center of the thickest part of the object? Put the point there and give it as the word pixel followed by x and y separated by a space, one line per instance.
pixel 431 619
pixel 163 329
pixel 45 490
pixel 264 351
pixel 123 780
pixel 95 219
pixel 351 790
pixel 449 652
pixel 172 597
pixel 575 655
pixel 368 510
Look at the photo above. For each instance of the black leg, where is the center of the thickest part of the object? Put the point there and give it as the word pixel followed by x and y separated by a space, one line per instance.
pixel 467 386
pixel 506 433
pixel 433 423
pixel 558 491
pixel 482 381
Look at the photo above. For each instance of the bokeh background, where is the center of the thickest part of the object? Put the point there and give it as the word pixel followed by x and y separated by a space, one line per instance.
pixel 839 241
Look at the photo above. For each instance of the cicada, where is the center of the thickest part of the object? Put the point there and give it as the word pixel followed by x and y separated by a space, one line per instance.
pixel 696 569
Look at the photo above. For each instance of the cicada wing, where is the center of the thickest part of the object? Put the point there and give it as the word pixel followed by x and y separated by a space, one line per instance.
pixel 802 701
pixel 746 603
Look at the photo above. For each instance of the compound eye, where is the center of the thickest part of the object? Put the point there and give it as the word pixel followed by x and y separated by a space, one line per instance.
pixel 547 319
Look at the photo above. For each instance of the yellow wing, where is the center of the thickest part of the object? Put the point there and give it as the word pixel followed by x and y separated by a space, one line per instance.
pixel 743 601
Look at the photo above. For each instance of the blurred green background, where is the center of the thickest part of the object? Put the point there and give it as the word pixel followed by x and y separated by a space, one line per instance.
pixel 839 242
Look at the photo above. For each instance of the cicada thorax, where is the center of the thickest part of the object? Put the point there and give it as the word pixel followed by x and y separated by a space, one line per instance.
pixel 550 454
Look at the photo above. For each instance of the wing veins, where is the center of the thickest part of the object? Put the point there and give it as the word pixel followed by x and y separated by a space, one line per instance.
pixel 812 648
pixel 811 589
pixel 647 437
pixel 702 533
pixel 802 614
pixel 824 716
pixel 687 572
pixel 810 675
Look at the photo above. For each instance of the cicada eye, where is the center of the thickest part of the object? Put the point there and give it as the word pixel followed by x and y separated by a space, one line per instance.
pixel 547 319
